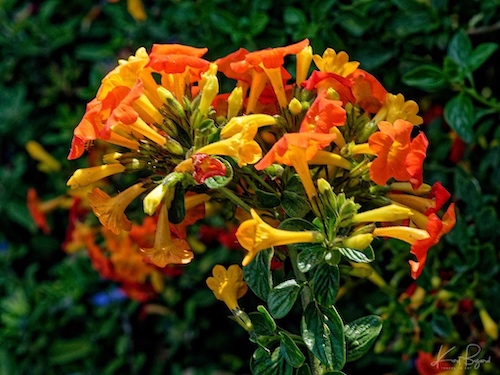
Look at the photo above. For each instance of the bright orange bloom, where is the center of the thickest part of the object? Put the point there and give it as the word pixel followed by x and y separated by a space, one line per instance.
pixel 323 115
pixel 296 149
pixel 368 91
pixel 111 210
pixel 323 81
pixel 270 61
pixel 224 65
pixel 398 156
pixel 39 209
pixel 167 250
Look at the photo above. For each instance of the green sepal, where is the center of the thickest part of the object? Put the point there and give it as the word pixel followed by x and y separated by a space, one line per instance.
pixel 258 274
pixel 360 335
pixel 290 351
pixel 326 281
pixel 323 333
pixel 282 298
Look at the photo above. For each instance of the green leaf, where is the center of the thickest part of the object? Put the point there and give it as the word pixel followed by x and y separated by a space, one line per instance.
pixel 259 22
pixel 294 17
pixel 266 199
pixel 258 274
pixel 294 200
pixel 480 54
pixel 263 322
pixel 290 351
pixel 323 333
pixel 360 335
pixel 66 351
pixel 304 370
pixel 282 298
pixel 358 256
pixel 460 48
pixel 310 255
pixel 442 325
pixel 326 284
pixel 425 77
pixel 264 362
pixel 459 114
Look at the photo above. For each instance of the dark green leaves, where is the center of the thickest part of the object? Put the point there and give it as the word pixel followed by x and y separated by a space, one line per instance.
pixel 360 335
pixel 282 298
pixel 326 284
pixel 290 351
pixel 258 275
pixel 459 113
pixel 426 77
pixel 358 256
pixel 294 200
pixel 323 333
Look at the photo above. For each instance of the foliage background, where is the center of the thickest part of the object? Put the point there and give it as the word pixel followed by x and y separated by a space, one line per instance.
pixel 58 317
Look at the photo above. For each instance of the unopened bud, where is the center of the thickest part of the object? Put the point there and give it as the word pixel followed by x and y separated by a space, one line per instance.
pixel 234 102
pixel 168 98
pixel 388 213
pixel 358 241
pixel 295 106
pixel 489 325
pixel 174 147
pixel 209 92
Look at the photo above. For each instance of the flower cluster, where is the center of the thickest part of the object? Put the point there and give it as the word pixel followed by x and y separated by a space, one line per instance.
pixel 330 147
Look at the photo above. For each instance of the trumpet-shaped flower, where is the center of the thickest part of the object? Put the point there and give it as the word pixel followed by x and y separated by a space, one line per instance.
pixel 367 90
pixel 228 285
pixel 236 124
pixel 111 210
pixel 296 149
pixel 323 115
pixel 167 250
pixel 398 156
pixel 395 107
pixel 333 62
pixel 86 176
pixel 241 146
pixel 256 235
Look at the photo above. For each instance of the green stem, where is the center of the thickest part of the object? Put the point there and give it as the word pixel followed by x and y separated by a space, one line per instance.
pixel 474 94
pixel 234 198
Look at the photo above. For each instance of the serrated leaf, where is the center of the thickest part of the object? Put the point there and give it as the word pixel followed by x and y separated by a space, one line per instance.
pixel 460 48
pixel 266 363
pixel 425 77
pixel 326 284
pixel 360 335
pixel 310 255
pixel 323 334
pixel 358 256
pixel 459 114
pixel 257 274
pixel 290 351
pixel 480 54
pixel 282 298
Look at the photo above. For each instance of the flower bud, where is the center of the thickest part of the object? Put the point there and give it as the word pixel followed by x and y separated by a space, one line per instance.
pixel 489 325
pixel 174 147
pixel 358 241
pixel 295 106
pixel 168 98
pixel 234 102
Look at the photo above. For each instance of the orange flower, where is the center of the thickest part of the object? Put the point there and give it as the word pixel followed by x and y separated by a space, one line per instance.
pixel 397 156
pixel 167 250
pixel 111 211
pixel 39 209
pixel 296 149
pixel 323 81
pixel 368 91
pixel 270 61
pixel 324 114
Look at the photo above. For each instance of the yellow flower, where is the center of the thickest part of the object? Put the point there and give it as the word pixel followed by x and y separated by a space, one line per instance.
pixel 337 63
pixel 236 124
pixel 407 234
pixel 167 250
pixel 388 213
pixel 111 210
pixel 241 146
pixel 256 235
pixel 304 59
pixel 86 176
pixel 395 107
pixel 323 157
pixel 228 285
pixel 47 163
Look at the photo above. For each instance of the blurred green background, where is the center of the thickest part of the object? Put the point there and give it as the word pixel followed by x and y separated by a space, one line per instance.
pixel 57 316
